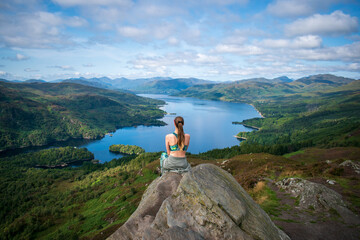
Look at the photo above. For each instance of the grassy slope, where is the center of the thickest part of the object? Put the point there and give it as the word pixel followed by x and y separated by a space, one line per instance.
pixel 92 201
pixel 39 113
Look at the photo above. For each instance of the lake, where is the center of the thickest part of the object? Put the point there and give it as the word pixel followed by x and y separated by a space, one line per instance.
pixel 209 124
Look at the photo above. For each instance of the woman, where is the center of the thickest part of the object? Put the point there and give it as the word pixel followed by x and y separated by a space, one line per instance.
pixel 174 160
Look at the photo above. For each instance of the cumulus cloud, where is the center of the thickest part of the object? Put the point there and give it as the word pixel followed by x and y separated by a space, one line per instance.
pixel 17 57
pixel 63 67
pixel 30 70
pixel 71 3
pixel 36 29
pixel 176 59
pixel 89 65
pixel 337 23
pixel 133 32
pixel 239 49
pixel 297 8
pixel 173 41
pixel 346 53
pixel 308 41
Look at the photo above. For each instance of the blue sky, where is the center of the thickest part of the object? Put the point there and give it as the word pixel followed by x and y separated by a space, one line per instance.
pixel 210 39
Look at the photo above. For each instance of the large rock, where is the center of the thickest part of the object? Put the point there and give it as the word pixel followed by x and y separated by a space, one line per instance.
pixel 208 204
pixel 318 197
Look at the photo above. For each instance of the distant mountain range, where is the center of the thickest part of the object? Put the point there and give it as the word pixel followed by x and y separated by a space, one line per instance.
pixel 164 85
pixel 167 85
pixel 261 88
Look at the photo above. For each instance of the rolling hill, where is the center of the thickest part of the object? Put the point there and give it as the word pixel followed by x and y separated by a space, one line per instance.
pixel 260 89
pixel 34 114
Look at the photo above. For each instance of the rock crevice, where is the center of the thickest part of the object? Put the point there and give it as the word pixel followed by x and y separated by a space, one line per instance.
pixel 206 203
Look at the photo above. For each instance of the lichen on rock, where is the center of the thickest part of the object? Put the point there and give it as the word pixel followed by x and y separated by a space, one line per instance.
pixel 207 203
pixel 318 197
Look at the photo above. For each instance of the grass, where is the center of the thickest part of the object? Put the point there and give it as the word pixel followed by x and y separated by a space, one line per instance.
pixel 266 198
pixel 288 155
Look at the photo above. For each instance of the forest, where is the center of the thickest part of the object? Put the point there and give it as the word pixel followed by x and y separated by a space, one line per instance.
pixel 36 114
pixel 126 149
pixel 67 203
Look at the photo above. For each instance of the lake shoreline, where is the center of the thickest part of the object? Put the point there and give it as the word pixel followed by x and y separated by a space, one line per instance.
pixel 66 142
pixel 64 165
pixel 150 137
pixel 257 110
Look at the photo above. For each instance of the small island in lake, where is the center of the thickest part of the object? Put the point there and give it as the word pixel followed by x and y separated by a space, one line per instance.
pixel 126 149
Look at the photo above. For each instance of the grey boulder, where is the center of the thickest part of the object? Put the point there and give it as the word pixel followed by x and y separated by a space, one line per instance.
pixel 206 203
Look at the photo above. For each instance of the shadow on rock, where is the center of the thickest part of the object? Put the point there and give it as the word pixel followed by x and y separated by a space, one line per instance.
pixel 206 203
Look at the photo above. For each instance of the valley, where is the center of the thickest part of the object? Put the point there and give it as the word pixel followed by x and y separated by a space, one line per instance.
pixel 309 131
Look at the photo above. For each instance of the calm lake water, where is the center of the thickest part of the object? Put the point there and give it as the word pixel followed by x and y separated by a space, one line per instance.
pixel 208 122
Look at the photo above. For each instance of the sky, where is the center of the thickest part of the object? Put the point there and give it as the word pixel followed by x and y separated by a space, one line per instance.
pixel 221 40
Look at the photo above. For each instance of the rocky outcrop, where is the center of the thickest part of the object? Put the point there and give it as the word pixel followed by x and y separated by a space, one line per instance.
pixel 351 164
pixel 207 203
pixel 318 197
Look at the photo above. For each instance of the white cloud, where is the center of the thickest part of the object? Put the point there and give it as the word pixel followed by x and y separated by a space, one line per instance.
pixel 63 67
pixel 37 30
pixel 133 32
pixel 337 23
pixel 18 57
pixel 30 70
pixel 71 3
pixel 224 2
pixel 346 53
pixel 239 49
pixel 297 8
pixel 75 22
pixel 308 41
pixel 176 59
pixel 207 59
pixel 173 41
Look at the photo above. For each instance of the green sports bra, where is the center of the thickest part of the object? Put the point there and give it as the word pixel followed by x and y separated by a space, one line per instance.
pixel 176 147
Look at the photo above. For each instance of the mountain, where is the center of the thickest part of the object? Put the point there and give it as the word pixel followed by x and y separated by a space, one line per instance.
pixel 325 79
pixel 282 79
pixel 34 114
pixel 117 83
pixel 93 82
pixel 34 81
pixel 261 88
pixel 169 86
pixel 129 84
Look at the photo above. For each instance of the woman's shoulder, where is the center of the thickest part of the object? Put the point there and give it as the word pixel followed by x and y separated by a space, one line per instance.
pixel 170 135
pixel 187 135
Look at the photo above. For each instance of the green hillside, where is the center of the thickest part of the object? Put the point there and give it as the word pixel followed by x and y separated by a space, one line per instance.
pixel 34 114
pixel 254 89
pixel 321 110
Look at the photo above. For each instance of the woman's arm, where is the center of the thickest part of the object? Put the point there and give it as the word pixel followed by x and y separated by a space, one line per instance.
pixel 167 145
pixel 187 140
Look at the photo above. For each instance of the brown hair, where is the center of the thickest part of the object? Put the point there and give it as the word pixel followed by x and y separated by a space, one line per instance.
pixel 179 123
